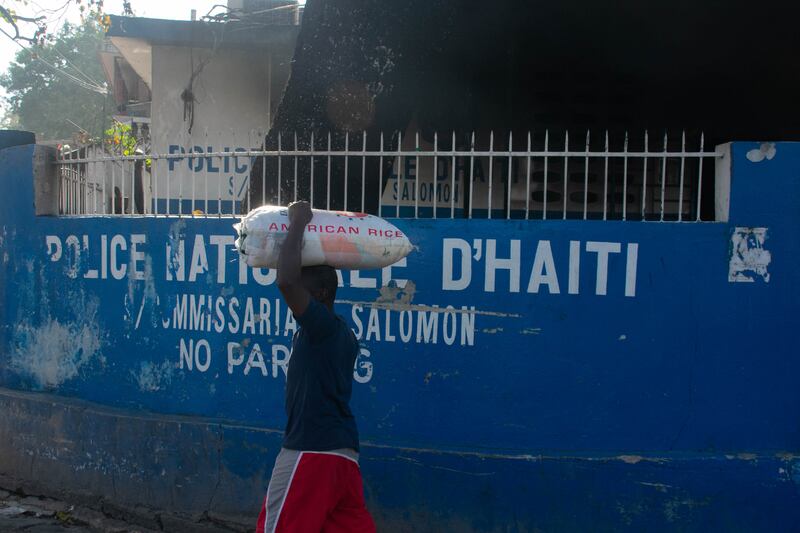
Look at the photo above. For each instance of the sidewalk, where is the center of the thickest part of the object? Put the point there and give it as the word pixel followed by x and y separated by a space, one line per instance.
pixel 31 514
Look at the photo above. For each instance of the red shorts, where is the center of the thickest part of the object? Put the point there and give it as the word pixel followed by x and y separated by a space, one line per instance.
pixel 311 492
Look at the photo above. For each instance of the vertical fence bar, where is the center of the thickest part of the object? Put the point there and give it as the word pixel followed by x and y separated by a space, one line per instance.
pixel 311 177
pixel 453 178
pixel 363 168
pixel 62 188
pixel 528 180
pixel 63 185
pixel 234 163
pixel 663 176
pixel 154 157
pixel 416 176
pixel 380 178
pixel 169 182
pixel 93 166
pixel 76 195
pixel 67 181
pixel 113 188
pixel 644 175
pixel 82 188
pixel 435 176
pixel 132 198
pixel 280 164
pixel 85 187
pixel 605 180
pixel 248 179
pixel 625 179
pixel 586 178
pixel 683 166
pixel 103 166
pixel 491 168
pixel 219 184
pixel 471 172
pixel 70 186
pixel 295 167
pixel 346 167
pixel 209 161
pixel 122 184
pixel 60 170
pixel 190 150
pixel 263 168
pixel 566 175
pixel 328 192
pixel 508 177
pixel 700 175
pixel 70 171
pixel 399 172
pixel 74 184
pixel 193 173
pixel 544 191
pixel 84 180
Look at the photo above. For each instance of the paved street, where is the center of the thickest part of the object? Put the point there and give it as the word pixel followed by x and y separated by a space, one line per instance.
pixel 44 515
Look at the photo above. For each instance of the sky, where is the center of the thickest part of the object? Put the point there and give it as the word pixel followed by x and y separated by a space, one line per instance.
pixel 169 9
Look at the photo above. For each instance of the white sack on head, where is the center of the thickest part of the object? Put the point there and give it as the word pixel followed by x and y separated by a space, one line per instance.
pixel 349 241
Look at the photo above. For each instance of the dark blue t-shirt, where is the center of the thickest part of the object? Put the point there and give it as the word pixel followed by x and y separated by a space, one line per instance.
pixel 319 383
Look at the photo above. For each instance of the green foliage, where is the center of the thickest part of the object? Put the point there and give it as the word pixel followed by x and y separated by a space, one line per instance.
pixel 120 140
pixel 47 100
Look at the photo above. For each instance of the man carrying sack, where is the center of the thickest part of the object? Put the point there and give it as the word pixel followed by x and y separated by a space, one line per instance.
pixel 316 482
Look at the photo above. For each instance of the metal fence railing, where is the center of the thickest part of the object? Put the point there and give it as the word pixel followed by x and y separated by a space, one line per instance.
pixel 409 176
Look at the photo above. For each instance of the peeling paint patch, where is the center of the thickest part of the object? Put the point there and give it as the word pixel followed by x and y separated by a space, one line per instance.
pixel 177 231
pixel 393 297
pixel 400 295
pixel 660 487
pixel 152 377
pixel 749 258
pixel 55 352
pixel 622 337
pixel 765 151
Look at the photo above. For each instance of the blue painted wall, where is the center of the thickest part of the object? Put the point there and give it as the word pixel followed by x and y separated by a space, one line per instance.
pixel 667 399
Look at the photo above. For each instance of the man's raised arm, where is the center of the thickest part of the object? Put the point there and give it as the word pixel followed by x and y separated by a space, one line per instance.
pixel 290 280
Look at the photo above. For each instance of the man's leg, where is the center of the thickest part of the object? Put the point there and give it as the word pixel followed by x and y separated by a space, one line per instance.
pixel 276 491
pixel 350 514
pixel 300 502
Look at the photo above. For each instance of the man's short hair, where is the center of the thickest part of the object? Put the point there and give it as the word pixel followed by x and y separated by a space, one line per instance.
pixel 319 278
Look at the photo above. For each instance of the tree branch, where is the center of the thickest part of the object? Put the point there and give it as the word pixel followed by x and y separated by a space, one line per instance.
pixel 12 19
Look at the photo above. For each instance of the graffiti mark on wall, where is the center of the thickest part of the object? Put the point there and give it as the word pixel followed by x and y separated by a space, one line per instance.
pixel 749 258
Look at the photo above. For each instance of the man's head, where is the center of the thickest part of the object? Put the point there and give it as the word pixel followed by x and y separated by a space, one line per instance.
pixel 321 281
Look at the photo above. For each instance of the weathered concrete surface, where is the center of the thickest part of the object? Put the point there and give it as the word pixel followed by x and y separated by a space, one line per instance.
pixel 127 467
pixel 33 514
pixel 168 473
